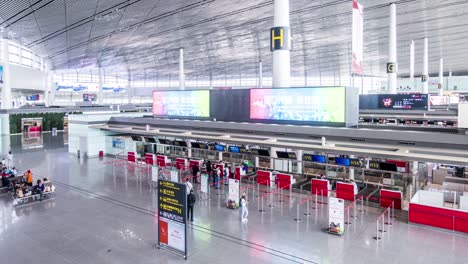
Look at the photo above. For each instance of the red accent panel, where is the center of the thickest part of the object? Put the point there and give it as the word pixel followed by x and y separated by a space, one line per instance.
pixel 345 191
pixel 101 153
pixel 320 187
pixel 131 156
pixel 438 217
pixel 180 163
pixel 163 232
pixel 283 181
pixel 149 158
pixel 387 197
pixel 237 175
pixel 263 177
pixel 161 161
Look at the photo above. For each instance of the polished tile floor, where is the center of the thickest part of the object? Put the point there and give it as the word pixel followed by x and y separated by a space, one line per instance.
pixel 102 215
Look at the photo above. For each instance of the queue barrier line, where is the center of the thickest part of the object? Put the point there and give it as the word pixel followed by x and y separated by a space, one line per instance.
pixel 381 218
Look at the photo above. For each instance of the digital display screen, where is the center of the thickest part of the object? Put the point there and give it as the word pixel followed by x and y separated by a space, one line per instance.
pixel 89 97
pixel 180 143
pixel 136 138
pixel 321 104
pixel 342 161
pixel 292 155
pixel 234 149
pixel 220 148
pixel 165 141
pixel 282 155
pixel 242 150
pixel 388 166
pixel 211 147
pixel 150 140
pixel 254 151
pixel 403 101
pixel 182 103
pixel 374 165
pixel 355 162
pixel 319 158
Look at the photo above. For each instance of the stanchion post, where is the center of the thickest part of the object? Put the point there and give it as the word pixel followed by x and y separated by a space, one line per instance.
pixel 297 211
pixel 377 230
pixel 316 199
pixel 307 213
pixel 262 210
pixel 362 204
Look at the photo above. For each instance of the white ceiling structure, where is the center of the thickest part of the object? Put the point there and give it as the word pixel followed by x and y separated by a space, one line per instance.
pixel 229 37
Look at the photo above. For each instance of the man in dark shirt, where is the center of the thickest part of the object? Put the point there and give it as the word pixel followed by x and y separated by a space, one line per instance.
pixel 190 204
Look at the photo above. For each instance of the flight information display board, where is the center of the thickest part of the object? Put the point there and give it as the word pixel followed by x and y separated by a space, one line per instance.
pixel 181 103
pixel 172 215
pixel 320 104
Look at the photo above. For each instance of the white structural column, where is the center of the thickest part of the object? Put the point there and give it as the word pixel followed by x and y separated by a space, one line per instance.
pixel 441 77
pixel 129 87
pixel 181 70
pixel 392 66
pixel 260 74
pixel 100 93
pixel 425 74
pixel 6 85
pixel 45 82
pixel 281 45
pixel 51 87
pixel 412 64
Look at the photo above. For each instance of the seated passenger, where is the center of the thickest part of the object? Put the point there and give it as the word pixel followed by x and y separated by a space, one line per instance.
pixel 46 184
pixel 19 193
pixel 39 189
pixel 14 172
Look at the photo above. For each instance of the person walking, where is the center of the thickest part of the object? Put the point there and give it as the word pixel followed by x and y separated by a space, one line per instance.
pixel 9 160
pixel 244 209
pixel 190 203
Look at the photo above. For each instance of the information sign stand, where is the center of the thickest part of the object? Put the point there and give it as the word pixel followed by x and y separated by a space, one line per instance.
pixel 335 216
pixel 204 186
pixel 234 194
pixel 172 217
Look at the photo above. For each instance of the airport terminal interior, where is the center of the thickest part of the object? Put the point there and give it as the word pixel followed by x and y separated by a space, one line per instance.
pixel 230 131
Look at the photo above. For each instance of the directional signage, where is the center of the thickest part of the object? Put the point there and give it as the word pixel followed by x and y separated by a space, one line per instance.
pixel 172 215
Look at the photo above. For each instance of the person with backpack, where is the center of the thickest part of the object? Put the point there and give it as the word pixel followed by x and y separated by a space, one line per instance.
pixel 190 203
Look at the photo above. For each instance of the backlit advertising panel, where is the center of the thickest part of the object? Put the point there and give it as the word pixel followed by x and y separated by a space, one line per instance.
pixel 403 101
pixel 181 103
pixel 315 104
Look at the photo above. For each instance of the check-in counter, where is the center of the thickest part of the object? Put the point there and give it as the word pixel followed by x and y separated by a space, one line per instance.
pixel 428 208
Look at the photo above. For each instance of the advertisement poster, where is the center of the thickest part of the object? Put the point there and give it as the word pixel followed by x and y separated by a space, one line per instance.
pixel 439 100
pixel 174 176
pixel 358 39
pixel 336 216
pixel 1 73
pixel 182 103
pixel 204 183
pixel 154 173
pixel 172 210
pixel 234 195
pixel 35 97
pixel 118 143
pixel 321 104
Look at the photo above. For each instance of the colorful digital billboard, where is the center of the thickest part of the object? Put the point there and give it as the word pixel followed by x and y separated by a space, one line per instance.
pixel 320 104
pixel 182 103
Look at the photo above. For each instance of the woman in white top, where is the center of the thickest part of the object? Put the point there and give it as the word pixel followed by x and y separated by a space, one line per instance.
pixel 244 209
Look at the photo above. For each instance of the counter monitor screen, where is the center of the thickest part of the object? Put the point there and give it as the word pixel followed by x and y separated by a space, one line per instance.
pixel 264 152
pixel 180 143
pixel 374 165
pixel 254 152
pixel 282 155
pixel 220 148
pixel 242 150
pixel 195 145
pixel 388 166
pixel 319 158
pixel 355 162
pixel 150 140
pixel 292 155
pixel 307 157
pixel 342 161
pixel 234 149
pixel 136 138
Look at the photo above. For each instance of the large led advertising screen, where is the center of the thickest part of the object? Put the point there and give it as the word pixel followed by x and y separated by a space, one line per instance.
pixel 403 101
pixel 181 103
pixel 321 104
